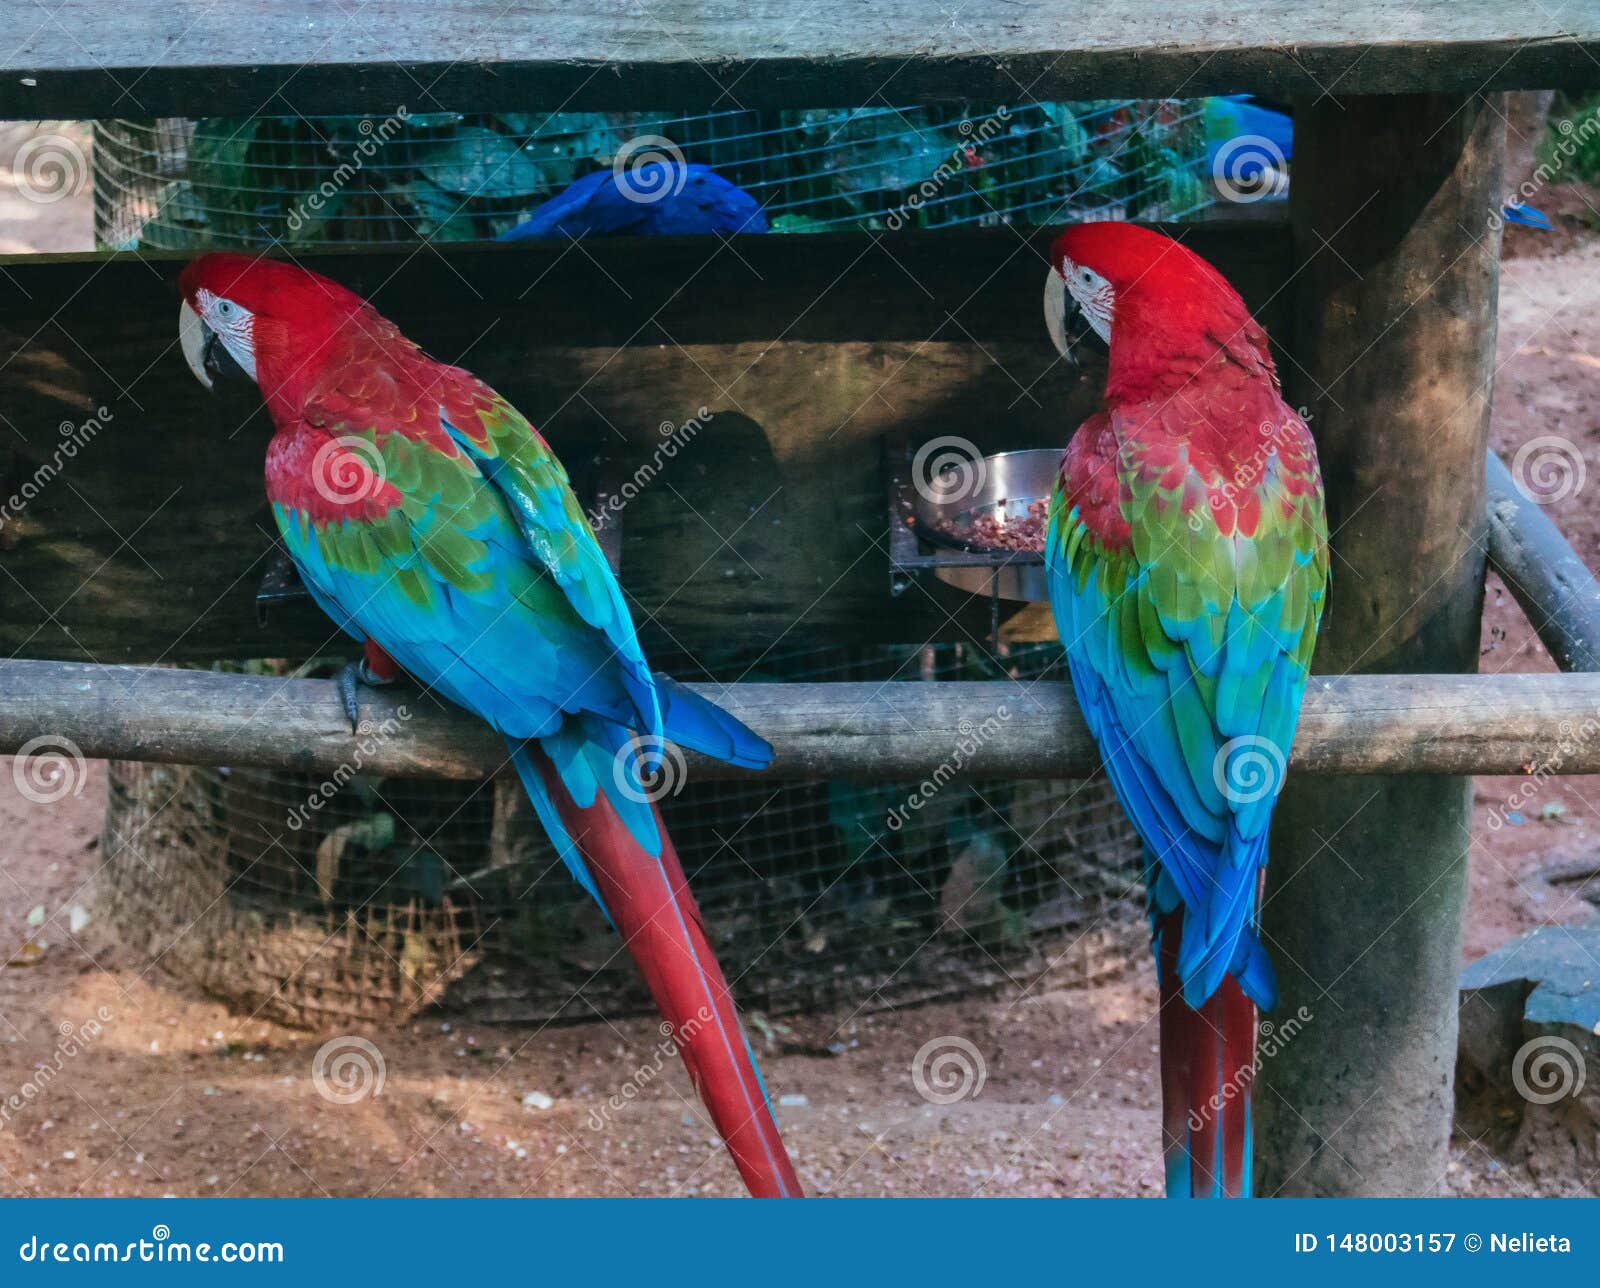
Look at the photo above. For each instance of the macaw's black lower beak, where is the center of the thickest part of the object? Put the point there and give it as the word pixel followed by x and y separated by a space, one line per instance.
pixel 220 364
pixel 1069 329
pixel 1082 338
pixel 205 353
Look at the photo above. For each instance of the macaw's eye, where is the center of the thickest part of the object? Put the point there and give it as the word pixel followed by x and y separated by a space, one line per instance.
pixel 1086 276
pixel 224 308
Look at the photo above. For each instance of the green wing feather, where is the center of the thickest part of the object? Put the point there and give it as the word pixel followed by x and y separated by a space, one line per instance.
pixel 1189 644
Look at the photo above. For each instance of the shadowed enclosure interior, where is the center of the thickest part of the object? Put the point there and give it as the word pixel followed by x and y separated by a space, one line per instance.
pixel 391 895
pixel 318 908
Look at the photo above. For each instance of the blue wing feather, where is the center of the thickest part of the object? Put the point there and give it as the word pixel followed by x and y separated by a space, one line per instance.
pixel 560 665
pixel 1161 737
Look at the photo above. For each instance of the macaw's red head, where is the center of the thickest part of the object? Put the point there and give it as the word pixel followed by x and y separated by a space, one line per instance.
pixel 270 320
pixel 1164 312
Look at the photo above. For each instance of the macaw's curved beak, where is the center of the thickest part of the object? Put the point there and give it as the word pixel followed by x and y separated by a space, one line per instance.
pixel 1069 329
pixel 207 357
pixel 1055 313
pixel 199 343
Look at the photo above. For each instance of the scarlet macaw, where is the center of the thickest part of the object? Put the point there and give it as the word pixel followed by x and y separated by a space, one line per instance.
pixel 1187 555
pixel 434 525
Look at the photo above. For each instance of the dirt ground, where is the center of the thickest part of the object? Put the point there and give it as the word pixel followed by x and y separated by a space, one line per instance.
pixel 177 1095
pixel 45 201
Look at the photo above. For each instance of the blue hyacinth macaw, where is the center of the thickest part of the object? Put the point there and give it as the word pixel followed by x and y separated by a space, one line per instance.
pixel 1231 118
pixel 655 199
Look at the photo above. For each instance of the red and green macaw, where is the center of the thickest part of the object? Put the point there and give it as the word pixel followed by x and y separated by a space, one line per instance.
pixel 434 525
pixel 1187 554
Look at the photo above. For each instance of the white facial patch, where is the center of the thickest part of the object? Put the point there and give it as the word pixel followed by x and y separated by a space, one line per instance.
pixel 234 326
pixel 1092 294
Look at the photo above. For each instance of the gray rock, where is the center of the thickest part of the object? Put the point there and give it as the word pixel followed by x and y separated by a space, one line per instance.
pixel 1528 1062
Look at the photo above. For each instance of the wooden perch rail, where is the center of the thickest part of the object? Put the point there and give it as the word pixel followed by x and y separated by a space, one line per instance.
pixel 1543 572
pixel 1383 724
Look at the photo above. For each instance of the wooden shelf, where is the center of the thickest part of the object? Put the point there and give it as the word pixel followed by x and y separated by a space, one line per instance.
pixel 143 58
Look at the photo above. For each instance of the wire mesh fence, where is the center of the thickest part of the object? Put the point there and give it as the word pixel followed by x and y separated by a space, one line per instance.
pixel 185 184
pixel 394 896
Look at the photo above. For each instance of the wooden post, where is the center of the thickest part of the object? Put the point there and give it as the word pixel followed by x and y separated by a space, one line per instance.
pixel 1397 246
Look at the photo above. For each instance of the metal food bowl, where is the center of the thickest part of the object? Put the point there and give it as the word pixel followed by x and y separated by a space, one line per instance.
pixel 939 494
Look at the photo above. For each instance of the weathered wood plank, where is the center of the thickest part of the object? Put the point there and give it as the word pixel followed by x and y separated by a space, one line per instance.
pixel 1382 724
pixel 215 57
pixel 868 732
pixel 1544 573
pixel 766 523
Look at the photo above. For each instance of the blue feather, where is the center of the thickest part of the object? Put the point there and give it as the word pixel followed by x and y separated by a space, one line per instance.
pixel 1527 217
pixel 692 722
pixel 656 199
pixel 1160 748
pixel 1236 116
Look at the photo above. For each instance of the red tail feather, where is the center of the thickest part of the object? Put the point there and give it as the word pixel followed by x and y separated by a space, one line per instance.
pixel 650 903
pixel 1207 1066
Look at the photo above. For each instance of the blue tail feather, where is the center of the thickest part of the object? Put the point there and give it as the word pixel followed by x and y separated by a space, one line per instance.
pixel 592 756
pixel 693 722
pixel 545 808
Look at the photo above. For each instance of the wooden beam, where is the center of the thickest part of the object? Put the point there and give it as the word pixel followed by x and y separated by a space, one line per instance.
pixel 642 292
pixel 1543 573
pixel 144 58
pixel 1392 724
pixel 1393 204
pixel 808 349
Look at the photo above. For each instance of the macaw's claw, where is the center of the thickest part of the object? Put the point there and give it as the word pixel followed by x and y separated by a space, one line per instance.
pixel 349 680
